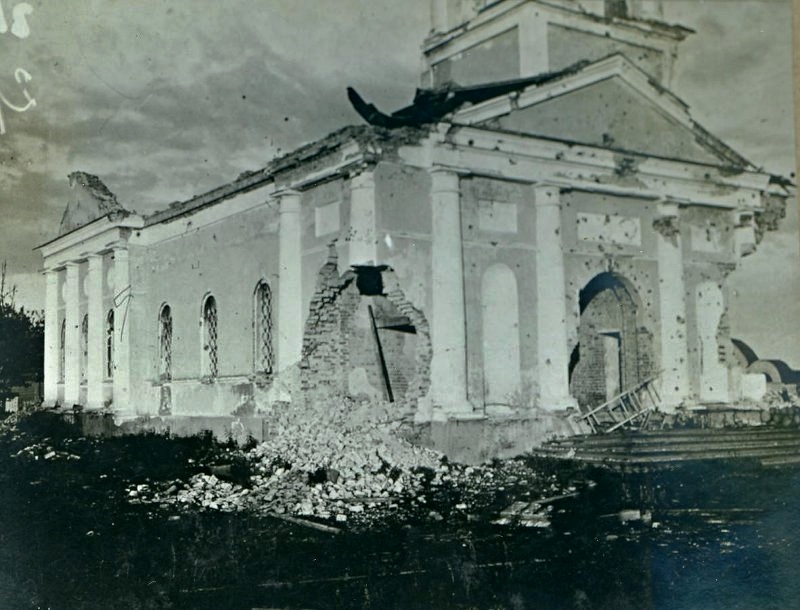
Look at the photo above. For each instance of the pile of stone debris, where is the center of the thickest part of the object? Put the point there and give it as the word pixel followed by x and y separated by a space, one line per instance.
pixel 344 463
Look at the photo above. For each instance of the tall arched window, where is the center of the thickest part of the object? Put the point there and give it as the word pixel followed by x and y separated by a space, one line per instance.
pixel 84 346
pixel 165 343
pixel 62 351
pixel 110 344
pixel 210 336
pixel 263 353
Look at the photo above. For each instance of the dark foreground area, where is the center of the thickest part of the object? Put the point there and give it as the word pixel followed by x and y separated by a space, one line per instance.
pixel 716 535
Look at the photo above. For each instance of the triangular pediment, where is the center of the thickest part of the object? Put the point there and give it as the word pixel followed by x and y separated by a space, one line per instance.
pixel 611 104
pixel 89 200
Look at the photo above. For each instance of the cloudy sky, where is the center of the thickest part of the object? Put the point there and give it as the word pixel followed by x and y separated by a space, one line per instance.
pixel 164 99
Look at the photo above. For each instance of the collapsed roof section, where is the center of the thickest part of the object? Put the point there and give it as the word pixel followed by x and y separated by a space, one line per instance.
pixel 609 103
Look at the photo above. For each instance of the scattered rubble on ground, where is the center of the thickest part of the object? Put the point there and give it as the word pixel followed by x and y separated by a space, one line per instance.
pixel 330 466
pixel 347 464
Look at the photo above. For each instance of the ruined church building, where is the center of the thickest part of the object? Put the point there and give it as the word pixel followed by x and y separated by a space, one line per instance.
pixel 542 229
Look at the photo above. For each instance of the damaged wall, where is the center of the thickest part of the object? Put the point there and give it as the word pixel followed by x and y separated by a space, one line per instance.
pixel 613 332
pixel 364 339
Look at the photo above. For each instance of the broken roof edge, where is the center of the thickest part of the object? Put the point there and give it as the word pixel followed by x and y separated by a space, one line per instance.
pixel 365 136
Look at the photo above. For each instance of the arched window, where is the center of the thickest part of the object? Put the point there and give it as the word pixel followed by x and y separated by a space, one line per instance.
pixel 210 336
pixel 84 346
pixel 165 343
pixel 263 353
pixel 62 352
pixel 110 344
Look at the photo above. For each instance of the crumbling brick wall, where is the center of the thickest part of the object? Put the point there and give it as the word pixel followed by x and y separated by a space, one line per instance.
pixel 340 354
pixel 324 346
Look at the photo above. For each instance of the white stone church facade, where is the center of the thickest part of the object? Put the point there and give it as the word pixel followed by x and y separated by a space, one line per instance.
pixel 543 228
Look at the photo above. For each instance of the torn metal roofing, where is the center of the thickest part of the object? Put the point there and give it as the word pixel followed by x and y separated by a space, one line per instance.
pixel 431 105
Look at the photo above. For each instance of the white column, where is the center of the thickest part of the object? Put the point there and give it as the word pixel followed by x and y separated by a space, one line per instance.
pixel 72 337
pixel 672 304
pixel 96 351
pixel 533 52
pixel 51 338
pixel 122 331
pixel 290 281
pixel 551 302
pixel 448 325
pixel 439 16
pixel 363 234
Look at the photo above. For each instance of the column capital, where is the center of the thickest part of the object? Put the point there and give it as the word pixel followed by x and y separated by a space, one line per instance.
pixel 288 201
pixel 94 260
pixel 444 179
pixel 281 193
pixel 668 209
pixel 72 265
pixel 546 195
pixel 363 179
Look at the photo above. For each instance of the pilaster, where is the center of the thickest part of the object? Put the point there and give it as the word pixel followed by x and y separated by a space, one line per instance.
pixel 290 284
pixel 51 338
pixel 672 305
pixel 533 47
pixel 363 218
pixel 95 355
pixel 72 334
pixel 122 332
pixel 551 302
pixel 448 325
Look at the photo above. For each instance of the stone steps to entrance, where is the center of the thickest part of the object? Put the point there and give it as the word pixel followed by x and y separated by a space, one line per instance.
pixel 769 445
pixel 705 436
pixel 687 447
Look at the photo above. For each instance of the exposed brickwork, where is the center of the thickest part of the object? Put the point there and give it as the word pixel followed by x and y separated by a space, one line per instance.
pixel 611 310
pixel 339 343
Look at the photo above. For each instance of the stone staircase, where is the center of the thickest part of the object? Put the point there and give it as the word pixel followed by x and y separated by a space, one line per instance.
pixel 769 445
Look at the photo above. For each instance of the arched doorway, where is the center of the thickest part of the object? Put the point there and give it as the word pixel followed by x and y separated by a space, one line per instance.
pixel 613 351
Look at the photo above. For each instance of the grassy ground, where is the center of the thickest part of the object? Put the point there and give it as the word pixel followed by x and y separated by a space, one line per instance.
pixel 720 536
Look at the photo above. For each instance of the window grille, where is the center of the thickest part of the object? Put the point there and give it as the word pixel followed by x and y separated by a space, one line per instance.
pixel 165 343
pixel 62 353
pixel 84 346
pixel 264 353
pixel 210 331
pixel 110 344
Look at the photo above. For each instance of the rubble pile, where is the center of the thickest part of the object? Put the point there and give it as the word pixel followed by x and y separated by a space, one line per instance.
pixel 44 451
pixel 347 463
pixel 335 461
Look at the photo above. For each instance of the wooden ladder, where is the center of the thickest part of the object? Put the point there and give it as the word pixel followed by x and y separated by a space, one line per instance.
pixel 622 410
